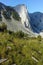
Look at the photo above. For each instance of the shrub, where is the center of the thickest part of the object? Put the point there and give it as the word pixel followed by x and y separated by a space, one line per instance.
pixel 15 15
pixel 3 27
pixel 6 14
pixel 20 34
pixel 39 37
pixel 0 17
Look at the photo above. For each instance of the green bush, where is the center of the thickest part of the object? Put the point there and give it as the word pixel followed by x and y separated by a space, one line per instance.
pixel 20 34
pixel 3 27
pixel 16 15
pixel 39 37
pixel 6 14
pixel 0 17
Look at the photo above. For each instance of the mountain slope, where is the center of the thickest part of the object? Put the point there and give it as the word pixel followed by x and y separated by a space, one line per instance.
pixel 36 21
pixel 12 23
pixel 22 11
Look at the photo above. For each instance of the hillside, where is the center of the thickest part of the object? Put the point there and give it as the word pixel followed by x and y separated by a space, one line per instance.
pixel 13 20
pixel 37 19
pixel 19 50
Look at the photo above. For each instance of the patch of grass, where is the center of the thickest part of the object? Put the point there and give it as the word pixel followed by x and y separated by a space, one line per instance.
pixel 20 51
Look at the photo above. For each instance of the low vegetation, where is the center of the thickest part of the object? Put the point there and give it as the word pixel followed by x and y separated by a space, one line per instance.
pixel 20 50
pixel 16 16
pixel 3 27
pixel 7 14
pixel 0 17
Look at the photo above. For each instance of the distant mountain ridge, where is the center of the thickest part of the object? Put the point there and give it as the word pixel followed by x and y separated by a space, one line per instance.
pixel 37 19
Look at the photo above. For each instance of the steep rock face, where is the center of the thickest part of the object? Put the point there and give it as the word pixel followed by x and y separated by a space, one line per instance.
pixel 22 11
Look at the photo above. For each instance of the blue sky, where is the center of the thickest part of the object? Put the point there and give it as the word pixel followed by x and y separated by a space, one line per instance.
pixel 32 5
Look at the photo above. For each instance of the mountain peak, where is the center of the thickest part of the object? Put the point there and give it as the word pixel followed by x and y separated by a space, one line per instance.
pixel 1 3
pixel 21 5
pixel 23 12
pixel 2 6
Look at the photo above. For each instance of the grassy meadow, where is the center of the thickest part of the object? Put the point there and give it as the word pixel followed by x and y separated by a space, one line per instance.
pixel 20 51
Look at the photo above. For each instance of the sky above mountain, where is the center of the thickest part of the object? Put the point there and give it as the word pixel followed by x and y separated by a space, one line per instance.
pixel 32 5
